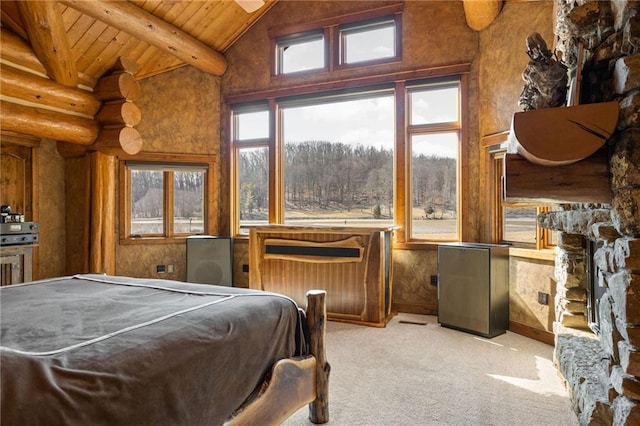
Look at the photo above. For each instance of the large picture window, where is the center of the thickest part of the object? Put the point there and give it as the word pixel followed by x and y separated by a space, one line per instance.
pixel 338 160
pixel 333 158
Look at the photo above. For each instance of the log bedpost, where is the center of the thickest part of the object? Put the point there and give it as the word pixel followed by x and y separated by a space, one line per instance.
pixel 316 321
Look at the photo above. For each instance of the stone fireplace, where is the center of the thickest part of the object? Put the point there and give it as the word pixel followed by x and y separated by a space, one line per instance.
pixel 602 369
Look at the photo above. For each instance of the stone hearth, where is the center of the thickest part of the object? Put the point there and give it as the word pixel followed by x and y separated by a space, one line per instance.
pixel 602 371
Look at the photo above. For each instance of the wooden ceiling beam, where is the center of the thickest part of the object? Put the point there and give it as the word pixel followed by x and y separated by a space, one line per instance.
pixel 48 37
pixel 139 23
pixel 45 93
pixel 17 51
pixel 481 13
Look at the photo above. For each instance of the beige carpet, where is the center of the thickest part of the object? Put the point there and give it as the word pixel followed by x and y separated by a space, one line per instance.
pixel 408 374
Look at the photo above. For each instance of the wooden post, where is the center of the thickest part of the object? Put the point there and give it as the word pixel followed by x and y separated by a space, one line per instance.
pixel 103 209
pixel 316 321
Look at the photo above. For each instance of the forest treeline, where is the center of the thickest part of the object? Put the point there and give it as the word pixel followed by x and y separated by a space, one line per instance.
pixel 329 176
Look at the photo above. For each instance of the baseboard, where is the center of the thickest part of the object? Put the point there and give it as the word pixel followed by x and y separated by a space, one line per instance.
pixel 409 308
pixel 532 332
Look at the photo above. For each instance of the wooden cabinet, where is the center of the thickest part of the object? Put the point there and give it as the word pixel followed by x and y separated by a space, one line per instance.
pixel 353 265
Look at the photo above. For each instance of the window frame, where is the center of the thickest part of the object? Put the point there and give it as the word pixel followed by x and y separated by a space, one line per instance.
pixel 239 144
pixel 299 38
pixel 164 162
pixel 339 50
pixel 331 29
pixel 399 81
pixel 430 129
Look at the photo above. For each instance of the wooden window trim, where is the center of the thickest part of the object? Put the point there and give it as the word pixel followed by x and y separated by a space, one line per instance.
pixel 124 205
pixel 401 188
pixel 331 29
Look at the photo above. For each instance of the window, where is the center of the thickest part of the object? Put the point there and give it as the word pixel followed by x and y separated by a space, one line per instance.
pixel 434 138
pixel 362 42
pixel 163 200
pixel 362 39
pixel 516 223
pixel 300 53
pixel 333 158
pixel 338 159
pixel 251 176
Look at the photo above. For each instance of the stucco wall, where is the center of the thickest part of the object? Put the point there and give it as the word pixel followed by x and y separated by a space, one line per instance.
pixel 503 57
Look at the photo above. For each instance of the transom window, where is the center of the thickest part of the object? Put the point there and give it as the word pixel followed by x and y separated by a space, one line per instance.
pixel 369 41
pixel 364 39
pixel 300 53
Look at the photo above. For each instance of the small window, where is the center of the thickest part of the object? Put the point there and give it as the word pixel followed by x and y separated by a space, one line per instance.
pixel 431 105
pixel 251 125
pixel 519 225
pixel 165 200
pixel 300 53
pixel 368 42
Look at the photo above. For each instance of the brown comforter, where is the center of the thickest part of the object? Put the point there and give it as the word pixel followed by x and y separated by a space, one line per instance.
pixel 94 349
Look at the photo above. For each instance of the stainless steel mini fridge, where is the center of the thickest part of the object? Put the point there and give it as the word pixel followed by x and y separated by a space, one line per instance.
pixel 473 287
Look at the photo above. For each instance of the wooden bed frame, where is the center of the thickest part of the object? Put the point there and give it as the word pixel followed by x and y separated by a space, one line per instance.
pixel 295 382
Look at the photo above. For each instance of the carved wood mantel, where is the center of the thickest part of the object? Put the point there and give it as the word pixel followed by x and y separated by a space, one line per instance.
pixel 352 264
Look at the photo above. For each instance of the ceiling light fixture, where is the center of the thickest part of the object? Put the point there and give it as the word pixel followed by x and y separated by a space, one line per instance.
pixel 250 6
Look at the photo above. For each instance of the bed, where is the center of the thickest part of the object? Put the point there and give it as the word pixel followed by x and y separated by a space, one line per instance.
pixel 96 349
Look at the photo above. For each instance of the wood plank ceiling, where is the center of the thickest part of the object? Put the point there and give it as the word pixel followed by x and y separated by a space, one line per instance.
pixel 96 45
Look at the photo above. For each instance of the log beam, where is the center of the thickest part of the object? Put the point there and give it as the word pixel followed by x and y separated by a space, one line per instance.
pixel 17 51
pixel 585 181
pixel 137 22
pixel 121 85
pixel 47 124
pixel 114 141
pixel 481 13
pixel 46 93
pixel 48 36
pixel 119 113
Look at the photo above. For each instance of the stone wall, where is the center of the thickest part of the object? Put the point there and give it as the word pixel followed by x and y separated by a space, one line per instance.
pixel 602 371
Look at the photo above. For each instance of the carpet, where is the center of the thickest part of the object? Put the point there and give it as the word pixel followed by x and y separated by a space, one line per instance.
pixel 410 373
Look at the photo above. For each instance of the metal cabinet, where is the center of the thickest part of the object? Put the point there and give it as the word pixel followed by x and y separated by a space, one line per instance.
pixel 473 288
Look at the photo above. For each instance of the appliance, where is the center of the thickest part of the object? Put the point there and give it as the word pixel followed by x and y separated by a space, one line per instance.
pixel 17 233
pixel 473 288
pixel 210 260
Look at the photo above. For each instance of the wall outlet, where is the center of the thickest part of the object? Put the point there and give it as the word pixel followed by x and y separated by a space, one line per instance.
pixel 434 280
pixel 160 269
pixel 170 269
pixel 245 267
pixel 543 298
